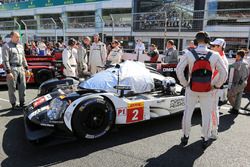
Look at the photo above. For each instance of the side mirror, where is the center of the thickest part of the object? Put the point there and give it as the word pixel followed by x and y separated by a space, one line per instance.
pixel 122 88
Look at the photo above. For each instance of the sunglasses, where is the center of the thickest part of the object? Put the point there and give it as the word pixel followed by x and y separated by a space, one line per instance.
pixel 212 46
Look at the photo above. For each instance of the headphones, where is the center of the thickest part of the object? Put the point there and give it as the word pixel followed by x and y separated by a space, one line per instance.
pixel 71 42
pixel 202 35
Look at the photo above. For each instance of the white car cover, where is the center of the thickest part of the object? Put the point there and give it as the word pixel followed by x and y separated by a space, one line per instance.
pixel 131 73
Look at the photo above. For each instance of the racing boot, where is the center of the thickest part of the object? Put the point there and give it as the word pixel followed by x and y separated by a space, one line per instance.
pixel 184 140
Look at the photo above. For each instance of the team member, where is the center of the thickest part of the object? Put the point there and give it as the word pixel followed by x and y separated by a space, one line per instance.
pixel 199 86
pixel 139 48
pixel 83 57
pixel 171 55
pixel 191 45
pixel 219 46
pixel 69 59
pixel 14 63
pixel 116 53
pixel 153 53
pixel 240 77
pixel 98 55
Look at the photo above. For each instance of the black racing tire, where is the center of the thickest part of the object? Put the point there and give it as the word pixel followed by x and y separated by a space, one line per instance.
pixel 43 75
pixel 93 118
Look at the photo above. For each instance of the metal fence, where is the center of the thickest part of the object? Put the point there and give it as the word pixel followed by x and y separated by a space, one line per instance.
pixel 78 22
pixel 8 25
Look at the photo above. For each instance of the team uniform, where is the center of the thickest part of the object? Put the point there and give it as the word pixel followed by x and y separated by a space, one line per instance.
pixel 82 60
pixel 69 61
pixel 171 56
pixel 97 57
pixel 206 99
pixel 115 55
pixel 139 48
pixel 240 77
pixel 215 114
pixel 14 62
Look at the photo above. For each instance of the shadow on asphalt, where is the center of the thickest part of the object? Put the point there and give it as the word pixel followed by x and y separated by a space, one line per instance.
pixel 10 112
pixel 226 121
pixel 22 153
pixel 178 156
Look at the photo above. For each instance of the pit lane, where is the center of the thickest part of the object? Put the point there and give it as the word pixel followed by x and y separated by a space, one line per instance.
pixel 152 143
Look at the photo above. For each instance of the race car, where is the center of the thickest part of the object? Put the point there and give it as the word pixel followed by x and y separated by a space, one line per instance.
pixel 125 94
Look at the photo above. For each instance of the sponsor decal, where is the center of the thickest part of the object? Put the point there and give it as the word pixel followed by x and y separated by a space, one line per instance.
pixel 121 111
pixel 169 69
pixel 41 100
pixel 62 97
pixel 135 112
pixel 177 103
pixel 38 111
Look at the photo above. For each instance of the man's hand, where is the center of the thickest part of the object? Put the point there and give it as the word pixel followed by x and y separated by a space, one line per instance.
pixel 10 76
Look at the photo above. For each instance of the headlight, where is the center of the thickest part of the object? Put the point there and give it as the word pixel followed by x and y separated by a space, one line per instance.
pixel 57 107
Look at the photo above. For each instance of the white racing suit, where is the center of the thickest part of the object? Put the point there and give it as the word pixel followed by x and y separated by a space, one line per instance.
pixel 215 114
pixel 204 98
pixel 69 61
pixel 139 50
pixel 97 56
pixel 115 56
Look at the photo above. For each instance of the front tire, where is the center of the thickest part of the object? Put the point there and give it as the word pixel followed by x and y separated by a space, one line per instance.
pixel 93 118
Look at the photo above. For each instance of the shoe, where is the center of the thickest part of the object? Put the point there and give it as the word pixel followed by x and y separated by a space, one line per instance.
pixel 205 144
pixel 14 107
pixel 233 111
pixel 22 105
pixel 214 134
pixel 184 140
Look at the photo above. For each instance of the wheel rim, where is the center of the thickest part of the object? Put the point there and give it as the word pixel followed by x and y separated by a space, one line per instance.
pixel 95 119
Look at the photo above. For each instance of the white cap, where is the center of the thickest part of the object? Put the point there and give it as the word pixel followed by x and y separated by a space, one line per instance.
pixel 219 41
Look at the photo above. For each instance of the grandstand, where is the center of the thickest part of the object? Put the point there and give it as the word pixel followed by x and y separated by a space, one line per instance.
pixel 149 20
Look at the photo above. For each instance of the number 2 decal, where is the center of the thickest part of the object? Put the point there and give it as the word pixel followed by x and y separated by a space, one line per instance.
pixel 135 117
pixel 135 112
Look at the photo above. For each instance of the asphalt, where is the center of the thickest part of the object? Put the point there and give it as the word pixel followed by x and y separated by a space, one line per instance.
pixel 153 143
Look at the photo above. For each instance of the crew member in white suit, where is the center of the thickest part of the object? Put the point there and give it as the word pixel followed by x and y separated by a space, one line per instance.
pixel 98 55
pixel 116 53
pixel 206 99
pixel 69 59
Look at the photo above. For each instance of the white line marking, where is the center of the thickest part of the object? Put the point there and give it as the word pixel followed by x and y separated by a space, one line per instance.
pixel 225 107
pixel 4 100
pixel 7 100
